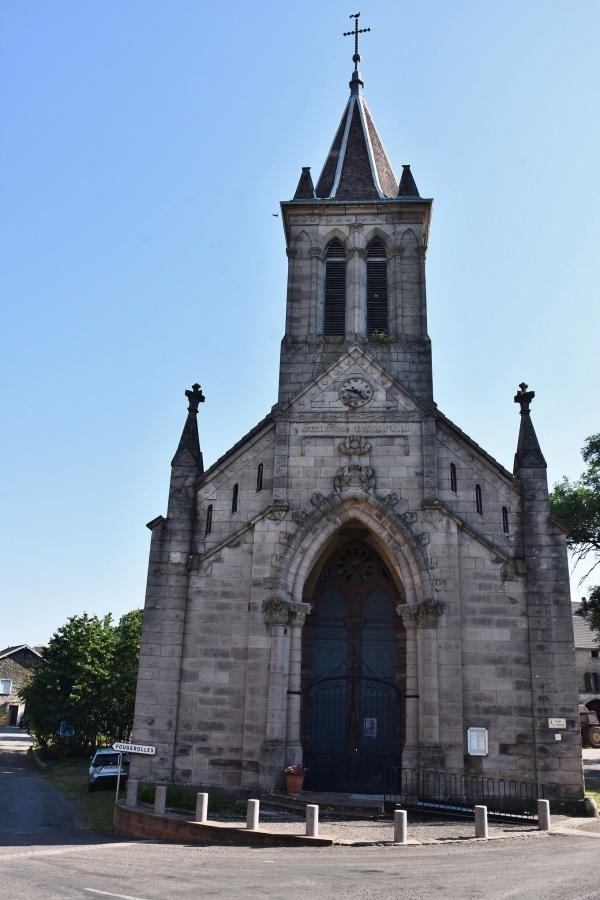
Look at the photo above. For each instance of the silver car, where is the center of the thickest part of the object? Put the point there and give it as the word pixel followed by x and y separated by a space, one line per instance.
pixel 104 767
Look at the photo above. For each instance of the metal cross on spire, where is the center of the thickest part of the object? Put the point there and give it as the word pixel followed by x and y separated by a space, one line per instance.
pixel 356 32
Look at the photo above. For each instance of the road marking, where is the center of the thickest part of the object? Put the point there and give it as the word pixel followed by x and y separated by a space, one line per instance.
pixel 110 894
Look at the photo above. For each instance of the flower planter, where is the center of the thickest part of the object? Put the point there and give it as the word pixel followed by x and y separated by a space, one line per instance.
pixel 294 783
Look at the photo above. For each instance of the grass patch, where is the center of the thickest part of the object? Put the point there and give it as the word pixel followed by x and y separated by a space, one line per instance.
pixel 70 777
pixel 595 795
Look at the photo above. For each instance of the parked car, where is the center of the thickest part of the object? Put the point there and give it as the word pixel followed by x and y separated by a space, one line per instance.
pixel 104 767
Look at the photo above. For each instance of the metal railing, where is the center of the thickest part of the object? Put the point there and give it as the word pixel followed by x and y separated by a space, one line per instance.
pixel 432 791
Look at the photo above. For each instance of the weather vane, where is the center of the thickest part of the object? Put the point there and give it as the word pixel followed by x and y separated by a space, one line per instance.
pixel 356 32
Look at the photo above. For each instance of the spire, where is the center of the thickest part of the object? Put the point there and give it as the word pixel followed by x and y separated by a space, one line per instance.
pixel 407 186
pixel 357 167
pixel 190 439
pixel 529 454
pixel 306 188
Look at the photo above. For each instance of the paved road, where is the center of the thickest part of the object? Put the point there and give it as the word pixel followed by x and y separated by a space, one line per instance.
pixel 46 854
pixel 32 811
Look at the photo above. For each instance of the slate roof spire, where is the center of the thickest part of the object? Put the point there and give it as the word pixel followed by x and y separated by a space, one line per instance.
pixel 357 167
pixel 189 445
pixel 529 453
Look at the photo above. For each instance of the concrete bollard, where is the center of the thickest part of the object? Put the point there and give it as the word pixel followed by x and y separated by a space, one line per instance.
pixel 400 826
pixel 160 799
pixel 543 811
pixel 312 820
pixel 481 822
pixel 201 807
pixel 132 791
pixel 252 815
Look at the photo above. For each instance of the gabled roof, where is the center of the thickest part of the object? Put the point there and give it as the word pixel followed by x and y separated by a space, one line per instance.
pixel 10 650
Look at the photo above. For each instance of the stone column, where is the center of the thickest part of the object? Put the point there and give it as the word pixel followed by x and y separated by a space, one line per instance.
pixel 294 694
pixel 317 289
pixel 277 614
pixel 421 621
pixel 394 254
pixel 356 291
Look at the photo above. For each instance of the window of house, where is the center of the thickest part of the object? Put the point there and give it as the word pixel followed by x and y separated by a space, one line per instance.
pixel 209 512
pixel 595 654
pixel 334 313
pixel 259 477
pixel 504 520
pixel 453 478
pixel 234 498
pixel 5 687
pixel 591 682
pixel 377 287
pixel 478 499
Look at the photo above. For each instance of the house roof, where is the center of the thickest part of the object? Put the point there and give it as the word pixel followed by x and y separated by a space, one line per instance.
pixel 9 650
pixel 585 638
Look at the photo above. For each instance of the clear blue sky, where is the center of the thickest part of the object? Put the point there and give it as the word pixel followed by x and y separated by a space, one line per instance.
pixel 145 146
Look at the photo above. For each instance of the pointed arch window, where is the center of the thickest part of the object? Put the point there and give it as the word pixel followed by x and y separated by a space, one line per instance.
pixel 234 498
pixel 377 287
pixel 208 526
pixel 334 313
pixel 453 478
pixel 259 477
pixel 478 499
pixel 505 520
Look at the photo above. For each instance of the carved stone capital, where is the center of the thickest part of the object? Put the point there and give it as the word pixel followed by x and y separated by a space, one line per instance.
pixel 422 615
pixel 394 250
pixel 298 614
pixel 316 252
pixel 277 611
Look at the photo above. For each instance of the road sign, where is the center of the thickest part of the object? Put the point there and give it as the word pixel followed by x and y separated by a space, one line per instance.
pixel 134 748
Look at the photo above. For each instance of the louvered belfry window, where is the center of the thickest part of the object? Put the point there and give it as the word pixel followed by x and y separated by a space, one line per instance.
pixel 334 316
pixel 377 288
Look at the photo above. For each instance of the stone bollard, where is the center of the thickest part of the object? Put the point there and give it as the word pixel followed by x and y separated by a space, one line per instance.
pixel 132 791
pixel 312 820
pixel 160 799
pixel 201 807
pixel 400 827
pixel 481 823
pixel 543 811
pixel 252 815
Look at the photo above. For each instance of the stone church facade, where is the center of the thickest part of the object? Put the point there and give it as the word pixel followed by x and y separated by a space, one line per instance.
pixel 356 583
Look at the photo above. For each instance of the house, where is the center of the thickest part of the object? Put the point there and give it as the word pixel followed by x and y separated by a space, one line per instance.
pixel 16 664
pixel 587 660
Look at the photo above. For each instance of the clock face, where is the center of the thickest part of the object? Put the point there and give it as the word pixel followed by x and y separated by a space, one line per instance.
pixel 355 392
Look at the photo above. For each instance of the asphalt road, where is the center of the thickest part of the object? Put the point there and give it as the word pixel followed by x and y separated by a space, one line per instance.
pixel 46 853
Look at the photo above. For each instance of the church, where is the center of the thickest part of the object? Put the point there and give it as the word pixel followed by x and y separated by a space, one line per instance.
pixel 356 584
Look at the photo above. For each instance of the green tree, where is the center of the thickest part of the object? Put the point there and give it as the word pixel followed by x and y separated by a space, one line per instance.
pixel 85 679
pixel 577 503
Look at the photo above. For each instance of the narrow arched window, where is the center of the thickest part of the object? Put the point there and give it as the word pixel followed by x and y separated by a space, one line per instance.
pixel 453 478
pixel 505 520
pixel 334 313
pixel 377 288
pixel 259 477
pixel 478 499
pixel 234 498
pixel 208 526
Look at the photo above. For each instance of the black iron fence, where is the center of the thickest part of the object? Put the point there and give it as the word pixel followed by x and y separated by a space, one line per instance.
pixel 431 791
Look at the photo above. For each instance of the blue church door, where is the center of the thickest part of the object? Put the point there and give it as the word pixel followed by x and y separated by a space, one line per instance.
pixel 354 651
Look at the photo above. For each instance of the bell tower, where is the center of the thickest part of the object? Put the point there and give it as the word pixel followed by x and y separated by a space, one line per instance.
pixel 356 245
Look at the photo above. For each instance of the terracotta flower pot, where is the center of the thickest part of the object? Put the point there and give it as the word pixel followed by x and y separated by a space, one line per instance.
pixel 294 783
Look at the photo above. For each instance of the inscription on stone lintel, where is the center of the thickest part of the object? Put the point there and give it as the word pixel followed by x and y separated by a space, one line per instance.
pixel 355 429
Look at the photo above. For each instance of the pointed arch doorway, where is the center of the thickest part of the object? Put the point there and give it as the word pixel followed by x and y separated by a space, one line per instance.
pixel 353 671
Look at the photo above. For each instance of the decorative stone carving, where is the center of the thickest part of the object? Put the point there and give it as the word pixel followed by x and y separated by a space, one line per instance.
pixel 298 614
pixel 276 515
pixel 298 516
pixel 277 611
pixel 354 475
pixel 391 500
pixel 422 615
